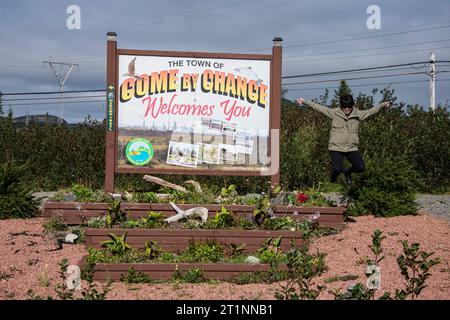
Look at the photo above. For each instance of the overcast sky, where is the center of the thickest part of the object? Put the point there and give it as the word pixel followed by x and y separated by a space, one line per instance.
pixel 319 36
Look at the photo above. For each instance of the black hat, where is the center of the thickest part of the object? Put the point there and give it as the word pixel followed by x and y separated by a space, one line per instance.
pixel 347 101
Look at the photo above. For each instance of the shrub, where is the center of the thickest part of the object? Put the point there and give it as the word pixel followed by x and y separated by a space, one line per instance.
pixel 133 276
pixel 386 188
pixel 208 251
pixel 15 198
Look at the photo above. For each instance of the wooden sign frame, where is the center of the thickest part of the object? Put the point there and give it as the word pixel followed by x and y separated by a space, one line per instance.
pixel 111 135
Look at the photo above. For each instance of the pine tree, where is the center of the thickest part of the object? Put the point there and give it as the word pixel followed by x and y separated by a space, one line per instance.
pixel 343 90
pixel 1 105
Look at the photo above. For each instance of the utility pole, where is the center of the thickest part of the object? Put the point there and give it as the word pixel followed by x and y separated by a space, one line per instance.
pixel 61 78
pixel 432 81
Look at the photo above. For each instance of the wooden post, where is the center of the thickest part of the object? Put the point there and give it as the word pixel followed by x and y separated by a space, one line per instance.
pixel 110 135
pixel 276 106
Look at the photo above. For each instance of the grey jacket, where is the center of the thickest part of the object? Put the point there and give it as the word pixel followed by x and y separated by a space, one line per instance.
pixel 344 130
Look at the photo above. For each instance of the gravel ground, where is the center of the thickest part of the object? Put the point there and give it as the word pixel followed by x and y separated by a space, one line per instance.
pixel 27 262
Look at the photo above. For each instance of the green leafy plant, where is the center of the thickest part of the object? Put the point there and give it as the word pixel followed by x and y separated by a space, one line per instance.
pixel 415 267
pixel 133 276
pixel 152 250
pixel 224 220
pixel 145 197
pixel 236 249
pixel 386 188
pixel 191 276
pixel 115 214
pixel 208 251
pixel 15 193
pixel 97 222
pixel 228 192
pixel 154 220
pixel 82 193
pixel 54 224
pixel 303 269
pixel 359 291
pixel 270 251
pixel 117 244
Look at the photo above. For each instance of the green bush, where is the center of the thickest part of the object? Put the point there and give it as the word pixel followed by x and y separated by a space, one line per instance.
pixel 387 188
pixel 15 198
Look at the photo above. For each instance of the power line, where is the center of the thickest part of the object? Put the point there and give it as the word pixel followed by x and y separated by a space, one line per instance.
pixel 367 85
pixel 365 49
pixel 356 78
pixel 354 70
pixel 50 103
pixel 49 92
pixel 52 98
pixel 365 55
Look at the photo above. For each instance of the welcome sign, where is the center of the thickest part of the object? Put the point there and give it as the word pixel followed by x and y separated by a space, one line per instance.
pixel 193 113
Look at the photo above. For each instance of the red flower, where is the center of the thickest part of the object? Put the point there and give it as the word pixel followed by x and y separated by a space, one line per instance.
pixel 302 198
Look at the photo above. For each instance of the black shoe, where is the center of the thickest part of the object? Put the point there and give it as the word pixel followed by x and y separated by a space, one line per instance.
pixel 348 178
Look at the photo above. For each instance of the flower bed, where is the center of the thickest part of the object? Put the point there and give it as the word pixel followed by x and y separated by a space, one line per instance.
pixel 75 213
pixel 173 240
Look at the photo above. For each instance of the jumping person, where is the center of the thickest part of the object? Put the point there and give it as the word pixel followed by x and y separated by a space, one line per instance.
pixel 344 138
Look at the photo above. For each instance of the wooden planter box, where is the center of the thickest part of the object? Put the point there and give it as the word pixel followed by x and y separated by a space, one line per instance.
pixel 164 271
pixel 75 212
pixel 174 240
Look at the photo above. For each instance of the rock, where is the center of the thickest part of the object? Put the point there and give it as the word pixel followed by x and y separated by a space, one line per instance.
pixel 70 238
pixel 69 197
pixel 251 196
pixel 73 278
pixel 252 260
pixel 116 196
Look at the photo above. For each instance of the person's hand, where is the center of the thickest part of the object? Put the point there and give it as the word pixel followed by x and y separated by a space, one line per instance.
pixel 299 101
pixel 385 104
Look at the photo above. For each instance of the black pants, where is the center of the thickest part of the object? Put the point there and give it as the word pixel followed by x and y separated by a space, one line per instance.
pixel 337 163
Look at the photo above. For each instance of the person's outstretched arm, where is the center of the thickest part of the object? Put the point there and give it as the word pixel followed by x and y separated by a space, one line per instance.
pixel 315 106
pixel 364 114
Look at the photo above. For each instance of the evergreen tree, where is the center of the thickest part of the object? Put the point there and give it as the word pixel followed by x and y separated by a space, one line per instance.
pixel 343 90
pixel 1 105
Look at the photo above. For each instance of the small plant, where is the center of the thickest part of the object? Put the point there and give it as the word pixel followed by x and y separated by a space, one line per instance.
pixel 43 281
pixel 152 250
pixel 415 267
pixel 264 208
pixel 97 222
pixel 235 249
pixel 191 276
pixel 228 192
pixel 82 193
pixel 154 220
pixel 133 276
pixel 117 245
pixel 61 289
pixel 303 268
pixel 208 251
pixel 224 219
pixel 270 251
pixel 15 194
pixel 146 197
pixel 54 224
pixel 360 291
pixel 92 293
pixel 115 214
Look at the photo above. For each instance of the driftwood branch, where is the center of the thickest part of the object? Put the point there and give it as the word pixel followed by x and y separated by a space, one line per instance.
pixel 165 183
pixel 198 211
